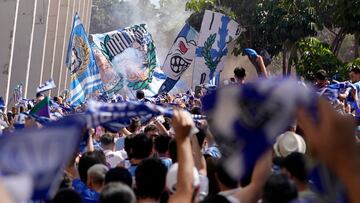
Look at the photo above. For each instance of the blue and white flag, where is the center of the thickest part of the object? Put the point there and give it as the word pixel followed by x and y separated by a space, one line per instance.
pixel 18 93
pixel 85 76
pixel 217 31
pixel 40 154
pixel 180 57
pixel 115 116
pixel 247 119
pixel 48 85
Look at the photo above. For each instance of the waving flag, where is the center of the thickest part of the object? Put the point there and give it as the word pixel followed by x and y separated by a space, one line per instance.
pixel 217 30
pixel 41 108
pixel 128 62
pixel 40 154
pixel 85 76
pixel 48 85
pixel 18 93
pixel 180 57
pixel 115 116
pixel 247 119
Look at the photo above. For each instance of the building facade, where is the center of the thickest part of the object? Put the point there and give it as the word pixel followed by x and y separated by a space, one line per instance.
pixel 34 36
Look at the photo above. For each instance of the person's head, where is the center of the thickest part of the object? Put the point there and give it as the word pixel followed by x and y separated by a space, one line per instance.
pixel 107 142
pixel 140 95
pixel 355 74
pixel 141 146
pixel 279 189
pixel 294 166
pixel 172 150
pixel 119 174
pixel 96 176
pixel 67 195
pixel 89 159
pixel 58 100
pixel 150 176
pixel 162 144
pixel 239 74
pixel 321 77
pixel 196 110
pixel 151 131
pixel 116 193
pixel 39 97
pixel 128 144
pixel 135 125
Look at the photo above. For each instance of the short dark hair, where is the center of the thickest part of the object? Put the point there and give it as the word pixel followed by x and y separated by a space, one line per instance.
pixel 150 127
pixel 39 94
pixel 150 176
pixel 107 139
pixel 279 189
pixel 196 110
pixel 89 159
pixel 67 195
pixel 117 192
pixel 240 72
pixel 161 143
pixel 140 94
pixel 118 174
pixel 173 150
pixel 295 164
pixel 128 144
pixel 141 146
pixel 355 70
pixel 321 75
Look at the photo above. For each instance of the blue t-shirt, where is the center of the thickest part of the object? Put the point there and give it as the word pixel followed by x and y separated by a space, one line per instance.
pixel 166 161
pixel 132 170
pixel 88 195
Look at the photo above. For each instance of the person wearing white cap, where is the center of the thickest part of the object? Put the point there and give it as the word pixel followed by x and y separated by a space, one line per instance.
pixel 288 143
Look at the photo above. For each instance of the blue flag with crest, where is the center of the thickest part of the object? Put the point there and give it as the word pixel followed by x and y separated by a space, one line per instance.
pixel 85 76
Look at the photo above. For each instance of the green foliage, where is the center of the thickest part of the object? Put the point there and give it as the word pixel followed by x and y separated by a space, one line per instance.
pixel 353 64
pixel 316 55
pixel 199 5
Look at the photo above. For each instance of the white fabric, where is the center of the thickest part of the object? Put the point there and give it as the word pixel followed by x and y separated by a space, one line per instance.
pixel 113 158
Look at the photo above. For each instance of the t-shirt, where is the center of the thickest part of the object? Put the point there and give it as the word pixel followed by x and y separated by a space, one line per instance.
pixel 113 158
pixel 132 170
pixel 88 195
pixel 166 161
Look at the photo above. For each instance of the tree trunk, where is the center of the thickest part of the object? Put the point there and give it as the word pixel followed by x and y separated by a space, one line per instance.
pixel 356 45
pixel 284 60
pixel 336 44
pixel 292 58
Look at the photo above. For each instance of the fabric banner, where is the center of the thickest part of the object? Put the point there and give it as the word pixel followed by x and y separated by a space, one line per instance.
pixel 180 57
pixel 128 61
pixel 217 30
pixel 85 76
pixel 40 154
pixel 247 119
pixel 48 85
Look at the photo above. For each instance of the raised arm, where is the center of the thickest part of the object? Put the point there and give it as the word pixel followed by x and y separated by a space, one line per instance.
pixel 182 124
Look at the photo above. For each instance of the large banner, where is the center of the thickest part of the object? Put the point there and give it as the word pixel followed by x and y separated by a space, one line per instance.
pixel 180 57
pixel 127 61
pixel 217 30
pixel 85 77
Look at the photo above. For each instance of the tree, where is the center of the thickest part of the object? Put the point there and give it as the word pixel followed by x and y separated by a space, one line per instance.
pixel 316 55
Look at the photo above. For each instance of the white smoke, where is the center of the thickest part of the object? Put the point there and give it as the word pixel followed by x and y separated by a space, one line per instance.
pixel 163 22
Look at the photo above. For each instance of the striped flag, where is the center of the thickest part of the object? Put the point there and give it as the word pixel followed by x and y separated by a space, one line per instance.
pixel 18 93
pixel 42 108
pixel 85 76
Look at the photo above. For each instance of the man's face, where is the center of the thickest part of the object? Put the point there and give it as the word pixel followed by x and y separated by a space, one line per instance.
pixel 354 77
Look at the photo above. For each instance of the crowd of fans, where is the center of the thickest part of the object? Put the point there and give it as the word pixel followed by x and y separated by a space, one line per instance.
pixel 161 161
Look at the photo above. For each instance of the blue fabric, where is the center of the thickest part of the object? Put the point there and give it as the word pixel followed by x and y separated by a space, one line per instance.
pixel 88 196
pixel 166 161
pixel 132 170
pixel 247 119
pixel 250 52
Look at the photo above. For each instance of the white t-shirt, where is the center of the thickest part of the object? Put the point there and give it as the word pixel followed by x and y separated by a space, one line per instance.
pixel 113 158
